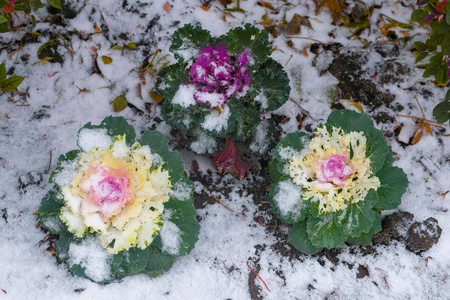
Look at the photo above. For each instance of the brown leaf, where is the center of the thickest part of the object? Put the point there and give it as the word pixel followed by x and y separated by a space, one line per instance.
pixel 294 26
pixel 266 4
pixel 335 6
pixel 417 136
pixel 428 128
pixel 157 97
pixel 4 291
pixel 205 8
pixel 167 7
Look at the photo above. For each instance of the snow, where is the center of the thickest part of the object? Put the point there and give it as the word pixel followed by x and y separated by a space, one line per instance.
pixel 185 95
pixel 289 198
pixel 89 139
pixel 61 98
pixel 91 255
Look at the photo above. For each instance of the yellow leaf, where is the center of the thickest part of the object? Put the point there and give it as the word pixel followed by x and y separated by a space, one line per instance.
pixel 205 8
pixel 107 60
pixel 355 104
pixel 266 22
pixel 266 4
pixel 97 29
pixel 157 97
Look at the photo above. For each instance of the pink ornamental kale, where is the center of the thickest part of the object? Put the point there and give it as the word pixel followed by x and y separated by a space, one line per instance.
pixel 334 170
pixel 218 78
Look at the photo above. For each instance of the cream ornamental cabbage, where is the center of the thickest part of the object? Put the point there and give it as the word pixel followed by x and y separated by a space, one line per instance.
pixel 119 194
pixel 336 171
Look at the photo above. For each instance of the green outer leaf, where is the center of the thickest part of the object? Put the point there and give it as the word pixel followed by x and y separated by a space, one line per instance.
pixel 273 82
pixel 442 111
pixel 325 231
pixel 135 260
pixel 299 212
pixel 158 263
pixel 116 261
pixel 63 159
pixel 183 215
pixel 11 83
pixel 50 210
pixel 63 243
pixel 3 71
pixel 358 218
pixel 275 175
pixel 250 38
pixel 298 237
pixel 244 119
pixel 115 126
pixel 366 238
pixel 393 185
pixel 172 159
pixel 189 38
pixel 348 120
pixel 295 140
pixel 55 3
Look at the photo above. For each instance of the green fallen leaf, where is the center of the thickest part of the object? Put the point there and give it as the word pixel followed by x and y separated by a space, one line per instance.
pixel 120 103
pixel 107 60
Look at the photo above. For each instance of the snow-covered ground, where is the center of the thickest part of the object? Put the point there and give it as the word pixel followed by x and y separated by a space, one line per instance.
pixel 61 97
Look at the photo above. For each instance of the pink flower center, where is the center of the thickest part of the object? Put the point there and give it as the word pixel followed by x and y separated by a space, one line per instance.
pixel 333 170
pixel 111 189
pixel 108 190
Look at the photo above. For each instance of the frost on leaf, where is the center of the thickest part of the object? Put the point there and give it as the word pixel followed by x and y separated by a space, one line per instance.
pixel 231 161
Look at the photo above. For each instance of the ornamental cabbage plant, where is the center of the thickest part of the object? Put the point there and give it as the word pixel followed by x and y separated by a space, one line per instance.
pixel 332 187
pixel 120 207
pixel 220 86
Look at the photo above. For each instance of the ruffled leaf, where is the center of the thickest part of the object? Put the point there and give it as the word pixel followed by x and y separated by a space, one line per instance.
pixel 188 39
pixel 298 237
pixel 393 185
pixel 243 121
pixel 241 39
pixel 272 81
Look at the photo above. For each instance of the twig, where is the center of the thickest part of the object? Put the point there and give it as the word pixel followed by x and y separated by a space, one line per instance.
pixel 248 265
pixel 423 120
pixel 49 163
pixel 304 38
pixel 218 201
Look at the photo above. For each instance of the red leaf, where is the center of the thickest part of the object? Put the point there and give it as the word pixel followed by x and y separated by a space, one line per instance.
pixel 231 161
pixel 167 7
